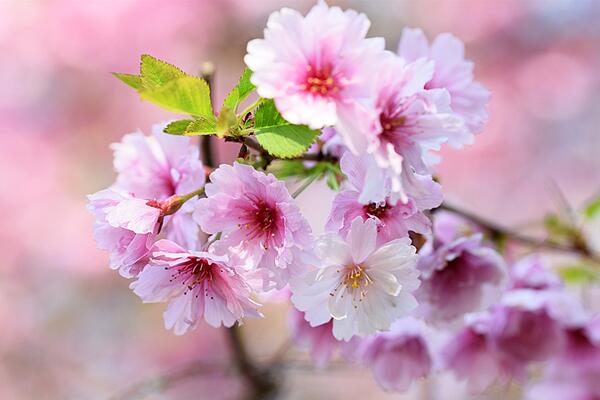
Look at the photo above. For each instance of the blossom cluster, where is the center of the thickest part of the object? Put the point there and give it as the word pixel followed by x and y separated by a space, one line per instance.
pixel 385 280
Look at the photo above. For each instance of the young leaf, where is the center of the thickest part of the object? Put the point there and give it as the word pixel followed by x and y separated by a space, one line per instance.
pixel 285 141
pixel 577 274
pixel 134 81
pixel 186 95
pixel 592 209
pixel 267 115
pixel 156 73
pixel 240 91
pixel 201 126
pixel 279 137
pixel 226 122
pixel 178 127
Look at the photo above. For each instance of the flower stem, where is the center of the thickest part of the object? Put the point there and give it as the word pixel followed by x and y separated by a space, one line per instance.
pixel 305 184
pixel 188 196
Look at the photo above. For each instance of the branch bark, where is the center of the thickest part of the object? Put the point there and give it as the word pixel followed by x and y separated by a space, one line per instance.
pixel 579 248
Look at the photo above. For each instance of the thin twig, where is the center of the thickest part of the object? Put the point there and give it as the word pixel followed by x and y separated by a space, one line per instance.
pixel 580 249
pixel 207 72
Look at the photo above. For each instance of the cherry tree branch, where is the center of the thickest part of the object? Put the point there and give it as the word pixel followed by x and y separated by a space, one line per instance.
pixel 577 247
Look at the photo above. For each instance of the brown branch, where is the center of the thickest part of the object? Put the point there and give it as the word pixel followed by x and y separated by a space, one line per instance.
pixel 207 72
pixel 578 247
pixel 320 156
pixel 261 380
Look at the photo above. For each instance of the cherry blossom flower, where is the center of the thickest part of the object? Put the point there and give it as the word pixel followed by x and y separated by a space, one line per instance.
pixel 126 227
pixel 261 226
pixel 574 372
pixel 362 287
pixel 398 357
pixel 315 67
pixel 319 340
pixel 197 284
pixel 394 219
pixel 456 273
pixel 526 327
pixel 452 72
pixel 469 357
pixel 409 122
pixel 158 167
pixel 531 273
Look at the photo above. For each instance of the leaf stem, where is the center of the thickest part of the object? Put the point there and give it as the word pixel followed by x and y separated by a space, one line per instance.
pixel 305 184
pixel 195 193
pixel 250 108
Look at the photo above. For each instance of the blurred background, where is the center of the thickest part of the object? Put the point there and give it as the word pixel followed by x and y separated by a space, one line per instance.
pixel 71 328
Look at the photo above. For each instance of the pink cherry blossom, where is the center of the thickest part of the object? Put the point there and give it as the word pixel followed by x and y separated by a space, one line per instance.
pixel 394 219
pixel 319 340
pixel 469 357
pixel 260 224
pixel 363 287
pixel 532 273
pixel 398 357
pixel 126 227
pixel 457 272
pixel 197 285
pixel 314 67
pixel 409 122
pixel 452 72
pixel 526 327
pixel 158 167
pixel 575 371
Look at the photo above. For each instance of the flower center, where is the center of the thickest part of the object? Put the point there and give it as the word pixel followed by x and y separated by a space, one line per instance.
pixel 377 210
pixel 390 132
pixel 356 277
pixel 193 272
pixel 320 81
pixel 260 221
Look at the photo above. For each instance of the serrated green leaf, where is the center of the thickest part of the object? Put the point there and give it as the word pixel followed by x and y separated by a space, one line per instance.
pixel 178 127
pixel 134 81
pixel 156 73
pixel 240 91
pixel 285 141
pixel 267 115
pixel 201 126
pixel 186 95
pixel 592 209
pixel 577 274
pixel 226 122
pixel 279 137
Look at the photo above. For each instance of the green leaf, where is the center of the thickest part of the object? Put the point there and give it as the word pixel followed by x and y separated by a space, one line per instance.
pixel 226 122
pixel 134 81
pixel 279 137
pixel 156 73
pixel 267 115
pixel 577 274
pixel 285 141
pixel 240 91
pixel 178 127
pixel 186 95
pixel 201 126
pixel 592 209
pixel 283 169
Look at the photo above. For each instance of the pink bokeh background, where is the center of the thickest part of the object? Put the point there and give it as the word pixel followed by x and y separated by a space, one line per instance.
pixel 71 328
